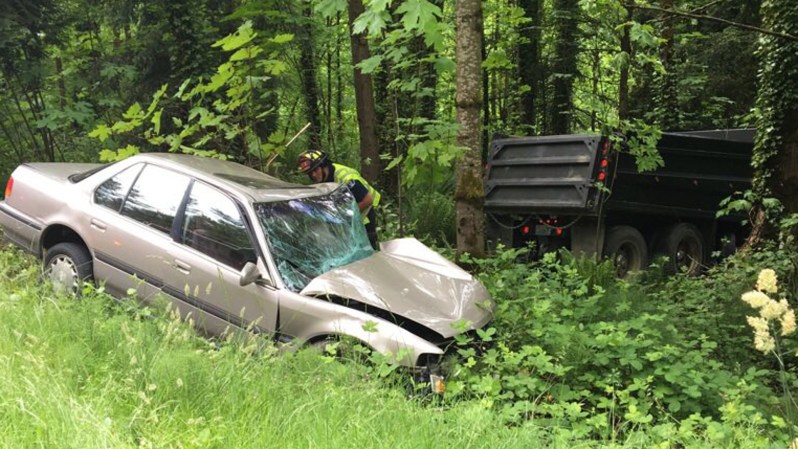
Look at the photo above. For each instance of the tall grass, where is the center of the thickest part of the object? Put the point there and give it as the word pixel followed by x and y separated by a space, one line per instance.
pixel 96 373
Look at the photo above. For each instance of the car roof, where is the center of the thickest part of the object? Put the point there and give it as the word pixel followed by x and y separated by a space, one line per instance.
pixel 257 185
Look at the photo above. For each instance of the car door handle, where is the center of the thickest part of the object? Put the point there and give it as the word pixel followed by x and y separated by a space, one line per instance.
pixel 182 266
pixel 97 224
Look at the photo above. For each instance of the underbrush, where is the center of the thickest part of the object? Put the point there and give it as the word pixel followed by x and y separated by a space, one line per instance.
pixel 573 346
pixel 574 359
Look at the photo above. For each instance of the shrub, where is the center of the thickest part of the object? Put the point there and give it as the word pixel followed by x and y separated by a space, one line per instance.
pixel 573 345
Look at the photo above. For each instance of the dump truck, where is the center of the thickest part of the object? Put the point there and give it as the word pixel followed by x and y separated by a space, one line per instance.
pixel 586 194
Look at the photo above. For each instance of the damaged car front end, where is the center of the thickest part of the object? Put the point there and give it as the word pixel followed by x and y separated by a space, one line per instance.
pixel 414 299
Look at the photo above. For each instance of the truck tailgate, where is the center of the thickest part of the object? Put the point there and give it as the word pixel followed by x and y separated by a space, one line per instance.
pixel 542 174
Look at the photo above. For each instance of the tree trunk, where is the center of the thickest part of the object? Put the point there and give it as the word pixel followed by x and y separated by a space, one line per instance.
pixel 308 71
pixel 486 117
pixel 530 68
pixel 623 81
pixel 775 157
pixel 328 116
pixel 566 48
pixel 339 77
pixel 669 107
pixel 364 99
pixel 59 69
pixel 387 110
pixel 469 193
pixel 429 81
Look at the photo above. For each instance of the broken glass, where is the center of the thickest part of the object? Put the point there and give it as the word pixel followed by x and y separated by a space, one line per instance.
pixel 311 236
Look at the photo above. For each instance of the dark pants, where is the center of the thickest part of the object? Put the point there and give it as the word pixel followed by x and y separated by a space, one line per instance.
pixel 371 229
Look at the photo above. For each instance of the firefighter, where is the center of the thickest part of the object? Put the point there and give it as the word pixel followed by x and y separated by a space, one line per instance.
pixel 318 166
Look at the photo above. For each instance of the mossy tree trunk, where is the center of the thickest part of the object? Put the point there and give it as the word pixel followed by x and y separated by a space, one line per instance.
pixel 776 150
pixel 469 193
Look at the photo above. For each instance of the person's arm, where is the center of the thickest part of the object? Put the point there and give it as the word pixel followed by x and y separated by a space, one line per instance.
pixel 361 194
pixel 365 203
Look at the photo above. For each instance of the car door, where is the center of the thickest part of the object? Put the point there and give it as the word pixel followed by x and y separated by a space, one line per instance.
pixel 131 226
pixel 213 243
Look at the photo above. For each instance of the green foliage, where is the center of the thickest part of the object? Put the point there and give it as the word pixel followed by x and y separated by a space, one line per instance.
pixel 438 227
pixel 429 162
pixel 570 344
pixel 220 109
pixel 97 372
pixel 642 144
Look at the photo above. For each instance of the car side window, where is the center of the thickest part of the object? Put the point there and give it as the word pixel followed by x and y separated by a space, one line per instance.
pixel 213 225
pixel 112 192
pixel 155 197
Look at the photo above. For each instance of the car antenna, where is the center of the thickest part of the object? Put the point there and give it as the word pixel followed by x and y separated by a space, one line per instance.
pixel 274 156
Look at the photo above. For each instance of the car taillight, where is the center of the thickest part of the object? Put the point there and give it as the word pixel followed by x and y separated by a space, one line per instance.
pixel 9 186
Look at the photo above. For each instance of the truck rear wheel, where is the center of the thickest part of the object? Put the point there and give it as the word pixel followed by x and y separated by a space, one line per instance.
pixel 626 247
pixel 684 247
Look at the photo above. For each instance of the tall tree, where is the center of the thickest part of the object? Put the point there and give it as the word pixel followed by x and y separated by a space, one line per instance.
pixel 307 67
pixel 564 67
pixel 776 151
pixel 668 98
pixel 364 98
pixel 469 193
pixel 530 67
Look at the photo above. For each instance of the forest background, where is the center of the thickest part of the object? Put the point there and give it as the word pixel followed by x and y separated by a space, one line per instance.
pixel 575 357
pixel 83 81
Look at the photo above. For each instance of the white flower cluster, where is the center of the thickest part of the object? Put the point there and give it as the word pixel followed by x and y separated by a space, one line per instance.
pixel 770 312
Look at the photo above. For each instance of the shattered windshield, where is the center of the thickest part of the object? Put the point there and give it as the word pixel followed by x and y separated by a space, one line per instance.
pixel 311 236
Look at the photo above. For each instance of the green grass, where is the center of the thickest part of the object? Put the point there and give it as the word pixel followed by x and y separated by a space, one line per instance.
pixel 95 373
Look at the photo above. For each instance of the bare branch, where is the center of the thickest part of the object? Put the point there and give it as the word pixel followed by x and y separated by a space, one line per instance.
pixel 713 19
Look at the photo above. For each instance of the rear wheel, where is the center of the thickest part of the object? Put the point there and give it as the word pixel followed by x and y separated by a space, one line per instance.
pixel 626 247
pixel 684 247
pixel 67 266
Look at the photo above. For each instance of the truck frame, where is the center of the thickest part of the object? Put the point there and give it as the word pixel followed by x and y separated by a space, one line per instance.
pixel 585 193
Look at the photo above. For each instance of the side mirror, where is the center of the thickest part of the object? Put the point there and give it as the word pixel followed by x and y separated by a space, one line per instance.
pixel 249 274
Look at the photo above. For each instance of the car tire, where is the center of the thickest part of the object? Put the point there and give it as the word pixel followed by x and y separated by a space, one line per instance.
pixel 626 248
pixel 67 266
pixel 684 246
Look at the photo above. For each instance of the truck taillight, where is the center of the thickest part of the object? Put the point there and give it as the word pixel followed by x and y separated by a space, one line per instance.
pixel 9 187
pixel 604 162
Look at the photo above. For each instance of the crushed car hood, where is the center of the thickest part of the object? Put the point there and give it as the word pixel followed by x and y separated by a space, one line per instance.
pixel 411 280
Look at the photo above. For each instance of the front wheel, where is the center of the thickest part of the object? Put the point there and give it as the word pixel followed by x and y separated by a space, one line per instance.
pixel 67 266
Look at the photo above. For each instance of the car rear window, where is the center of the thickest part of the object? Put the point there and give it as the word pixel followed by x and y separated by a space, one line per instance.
pixel 112 192
pixel 77 177
pixel 259 183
